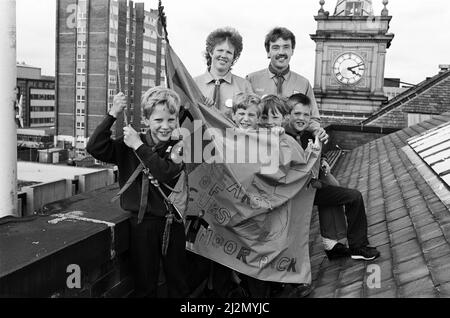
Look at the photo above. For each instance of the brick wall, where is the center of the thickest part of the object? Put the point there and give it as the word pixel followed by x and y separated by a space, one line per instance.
pixel 351 137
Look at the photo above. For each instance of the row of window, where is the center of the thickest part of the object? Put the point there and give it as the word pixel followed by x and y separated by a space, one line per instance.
pixel 42 109
pixel 112 92
pixel 42 120
pixel 36 84
pixel 42 97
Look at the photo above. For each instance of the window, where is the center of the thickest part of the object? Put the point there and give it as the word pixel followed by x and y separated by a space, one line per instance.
pixel 149 70
pixel 353 8
pixel 433 147
pixel 414 119
pixel 146 57
pixel 81 84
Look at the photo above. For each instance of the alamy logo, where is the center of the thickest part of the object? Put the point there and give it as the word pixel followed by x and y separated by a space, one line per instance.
pixel 374 277
pixel 74 279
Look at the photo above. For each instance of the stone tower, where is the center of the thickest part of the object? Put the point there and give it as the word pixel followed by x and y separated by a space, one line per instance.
pixel 350 60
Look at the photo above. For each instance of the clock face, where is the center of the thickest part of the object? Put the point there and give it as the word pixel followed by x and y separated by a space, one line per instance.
pixel 349 68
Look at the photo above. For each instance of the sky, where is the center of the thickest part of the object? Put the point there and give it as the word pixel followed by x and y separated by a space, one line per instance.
pixel 421 28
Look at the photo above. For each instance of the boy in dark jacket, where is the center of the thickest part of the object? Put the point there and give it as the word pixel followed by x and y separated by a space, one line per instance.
pixel 299 106
pixel 152 214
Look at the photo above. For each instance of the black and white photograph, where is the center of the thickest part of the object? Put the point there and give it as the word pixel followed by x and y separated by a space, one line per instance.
pixel 225 155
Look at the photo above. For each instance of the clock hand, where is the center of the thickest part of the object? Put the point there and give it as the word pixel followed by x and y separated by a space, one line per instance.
pixel 350 68
pixel 352 71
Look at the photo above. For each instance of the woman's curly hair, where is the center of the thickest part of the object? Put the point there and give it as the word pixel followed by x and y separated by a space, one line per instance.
pixel 219 36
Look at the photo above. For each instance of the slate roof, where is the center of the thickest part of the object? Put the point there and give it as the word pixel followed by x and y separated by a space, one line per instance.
pixel 408 222
pixel 431 96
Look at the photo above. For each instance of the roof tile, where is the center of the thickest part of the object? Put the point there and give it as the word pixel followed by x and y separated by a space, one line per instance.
pixel 411 270
pixel 406 251
pixel 388 290
pixel 402 236
pixel 400 224
pixel 422 288
pixel 440 270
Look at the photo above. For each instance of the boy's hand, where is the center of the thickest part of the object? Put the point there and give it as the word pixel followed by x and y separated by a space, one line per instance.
pixel 278 131
pixel 131 138
pixel 119 104
pixel 208 102
pixel 323 136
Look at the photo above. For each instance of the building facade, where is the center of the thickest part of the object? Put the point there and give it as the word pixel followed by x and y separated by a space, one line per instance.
pixel 417 104
pixel 36 96
pixel 102 47
pixel 351 49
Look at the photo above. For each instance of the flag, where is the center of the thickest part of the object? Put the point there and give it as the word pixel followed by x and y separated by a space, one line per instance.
pixel 250 187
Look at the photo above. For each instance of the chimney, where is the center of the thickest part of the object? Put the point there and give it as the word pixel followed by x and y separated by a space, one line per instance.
pixel 444 68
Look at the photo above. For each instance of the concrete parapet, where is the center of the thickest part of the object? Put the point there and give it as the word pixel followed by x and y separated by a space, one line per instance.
pixel 95 180
pixel 39 195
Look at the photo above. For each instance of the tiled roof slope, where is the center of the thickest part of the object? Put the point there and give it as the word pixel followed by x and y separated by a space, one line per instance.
pixel 407 221
pixel 431 96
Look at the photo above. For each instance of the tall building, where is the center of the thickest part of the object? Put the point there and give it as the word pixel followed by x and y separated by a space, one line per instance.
pixel 351 48
pixel 36 95
pixel 103 47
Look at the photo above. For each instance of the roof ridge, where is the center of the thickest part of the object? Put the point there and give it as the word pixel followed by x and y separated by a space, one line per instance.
pixel 408 94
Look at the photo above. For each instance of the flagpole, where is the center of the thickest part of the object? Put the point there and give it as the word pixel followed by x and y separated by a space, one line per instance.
pixel 8 163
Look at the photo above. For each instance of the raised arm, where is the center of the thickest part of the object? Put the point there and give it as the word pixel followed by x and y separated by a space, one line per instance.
pixel 101 146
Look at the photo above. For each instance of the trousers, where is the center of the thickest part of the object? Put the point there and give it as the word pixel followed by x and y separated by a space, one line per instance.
pixel 146 257
pixel 353 202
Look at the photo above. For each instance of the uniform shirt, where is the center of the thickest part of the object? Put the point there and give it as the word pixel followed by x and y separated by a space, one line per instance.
pixel 230 87
pixel 264 83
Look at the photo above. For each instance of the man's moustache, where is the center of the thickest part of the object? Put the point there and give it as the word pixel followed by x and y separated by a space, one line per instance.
pixel 282 56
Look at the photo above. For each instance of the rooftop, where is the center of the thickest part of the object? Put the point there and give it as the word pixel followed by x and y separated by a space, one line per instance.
pixel 408 210
pixel 408 216
pixel 431 96
pixel 39 172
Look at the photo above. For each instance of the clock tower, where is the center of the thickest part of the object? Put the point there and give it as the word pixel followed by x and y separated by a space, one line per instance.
pixel 350 61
